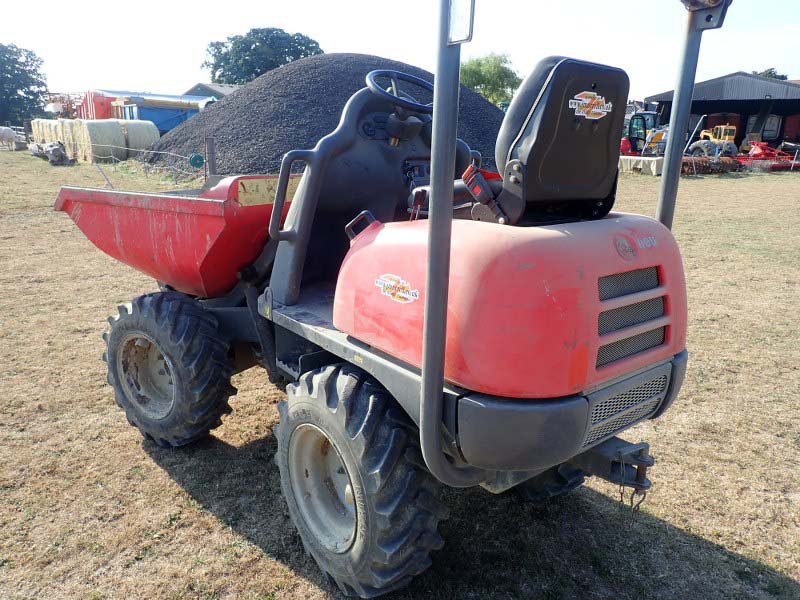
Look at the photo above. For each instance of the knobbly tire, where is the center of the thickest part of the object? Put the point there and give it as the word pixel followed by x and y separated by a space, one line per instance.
pixel 729 149
pixel 169 367
pixel 556 481
pixel 365 507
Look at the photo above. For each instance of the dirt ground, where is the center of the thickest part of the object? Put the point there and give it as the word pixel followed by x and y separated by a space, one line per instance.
pixel 90 510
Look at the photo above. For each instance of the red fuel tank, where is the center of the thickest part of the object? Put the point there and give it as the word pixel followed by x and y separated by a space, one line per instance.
pixel 533 312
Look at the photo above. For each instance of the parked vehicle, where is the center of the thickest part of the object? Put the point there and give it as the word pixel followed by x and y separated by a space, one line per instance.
pixel 506 348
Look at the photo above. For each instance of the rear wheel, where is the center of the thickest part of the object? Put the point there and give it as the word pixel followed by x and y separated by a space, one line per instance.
pixel 702 148
pixel 729 149
pixel 556 481
pixel 169 367
pixel 351 472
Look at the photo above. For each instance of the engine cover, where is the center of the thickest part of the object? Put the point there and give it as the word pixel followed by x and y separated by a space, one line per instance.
pixel 533 312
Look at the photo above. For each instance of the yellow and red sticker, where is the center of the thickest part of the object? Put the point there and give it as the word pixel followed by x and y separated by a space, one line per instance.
pixel 396 288
pixel 590 105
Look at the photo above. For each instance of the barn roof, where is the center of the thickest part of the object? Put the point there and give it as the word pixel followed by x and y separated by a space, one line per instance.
pixel 220 90
pixel 738 86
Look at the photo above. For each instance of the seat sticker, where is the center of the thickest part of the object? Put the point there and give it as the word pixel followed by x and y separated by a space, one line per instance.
pixel 590 105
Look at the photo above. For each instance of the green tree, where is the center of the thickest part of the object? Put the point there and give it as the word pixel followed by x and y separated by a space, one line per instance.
pixel 772 73
pixel 242 58
pixel 491 76
pixel 22 84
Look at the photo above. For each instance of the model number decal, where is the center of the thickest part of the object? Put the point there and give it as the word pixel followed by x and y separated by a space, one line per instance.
pixel 590 105
pixel 396 288
pixel 646 242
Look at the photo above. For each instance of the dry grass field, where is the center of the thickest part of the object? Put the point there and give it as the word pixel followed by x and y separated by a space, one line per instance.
pixel 90 510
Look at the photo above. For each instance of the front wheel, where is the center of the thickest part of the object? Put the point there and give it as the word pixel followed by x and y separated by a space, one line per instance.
pixel 351 472
pixel 169 366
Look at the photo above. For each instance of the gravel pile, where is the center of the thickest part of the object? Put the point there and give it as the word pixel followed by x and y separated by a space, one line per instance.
pixel 296 105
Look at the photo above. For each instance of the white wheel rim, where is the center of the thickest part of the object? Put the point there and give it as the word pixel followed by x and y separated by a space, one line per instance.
pixel 322 488
pixel 145 375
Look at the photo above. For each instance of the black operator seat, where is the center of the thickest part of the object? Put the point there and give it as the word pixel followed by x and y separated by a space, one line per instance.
pixel 558 146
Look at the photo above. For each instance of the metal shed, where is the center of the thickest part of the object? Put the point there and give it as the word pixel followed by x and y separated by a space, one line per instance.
pixel 770 107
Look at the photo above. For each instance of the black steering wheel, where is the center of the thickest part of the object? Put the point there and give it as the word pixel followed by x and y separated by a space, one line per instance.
pixel 395 97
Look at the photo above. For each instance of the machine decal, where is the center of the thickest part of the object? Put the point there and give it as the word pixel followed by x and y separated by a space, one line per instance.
pixel 624 248
pixel 647 242
pixel 590 105
pixel 396 288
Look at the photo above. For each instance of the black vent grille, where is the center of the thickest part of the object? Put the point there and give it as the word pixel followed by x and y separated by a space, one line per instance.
pixel 621 422
pixel 629 346
pixel 630 282
pixel 633 314
pixel 638 313
pixel 613 406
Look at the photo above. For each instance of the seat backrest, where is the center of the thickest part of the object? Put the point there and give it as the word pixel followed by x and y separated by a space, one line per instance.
pixel 558 147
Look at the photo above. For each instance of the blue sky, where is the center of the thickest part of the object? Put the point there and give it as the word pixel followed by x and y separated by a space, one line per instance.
pixel 159 46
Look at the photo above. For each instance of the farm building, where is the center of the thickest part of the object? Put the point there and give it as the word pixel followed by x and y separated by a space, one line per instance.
pixel 217 90
pixel 753 104
pixel 166 111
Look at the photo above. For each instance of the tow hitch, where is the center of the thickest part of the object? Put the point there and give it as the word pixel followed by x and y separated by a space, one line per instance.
pixel 622 463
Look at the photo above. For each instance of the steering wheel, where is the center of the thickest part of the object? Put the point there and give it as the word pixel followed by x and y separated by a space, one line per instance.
pixel 395 97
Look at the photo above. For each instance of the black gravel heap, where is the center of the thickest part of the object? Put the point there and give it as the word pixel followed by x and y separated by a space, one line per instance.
pixel 296 105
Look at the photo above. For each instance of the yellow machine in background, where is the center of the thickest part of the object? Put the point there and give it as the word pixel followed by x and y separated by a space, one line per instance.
pixel 717 141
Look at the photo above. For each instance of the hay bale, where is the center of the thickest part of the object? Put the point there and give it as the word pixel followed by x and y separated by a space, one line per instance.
pixel 45 131
pixel 140 135
pixel 68 133
pixel 101 141
pixel 35 130
pixel 78 138
pixel 53 131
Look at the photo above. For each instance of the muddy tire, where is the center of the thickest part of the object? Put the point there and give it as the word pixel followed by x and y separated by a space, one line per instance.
pixel 169 367
pixel 729 149
pixel 352 474
pixel 702 148
pixel 554 482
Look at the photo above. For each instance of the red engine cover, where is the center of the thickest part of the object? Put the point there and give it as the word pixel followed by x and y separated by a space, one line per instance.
pixel 523 303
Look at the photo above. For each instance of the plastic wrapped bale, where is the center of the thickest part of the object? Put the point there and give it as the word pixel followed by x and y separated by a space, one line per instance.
pixel 140 136
pixel 102 141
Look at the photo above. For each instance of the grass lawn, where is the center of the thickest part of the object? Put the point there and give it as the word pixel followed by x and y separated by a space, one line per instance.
pixel 88 509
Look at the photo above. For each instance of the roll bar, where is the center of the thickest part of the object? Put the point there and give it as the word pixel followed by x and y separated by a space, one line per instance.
pixel 703 14
pixel 440 224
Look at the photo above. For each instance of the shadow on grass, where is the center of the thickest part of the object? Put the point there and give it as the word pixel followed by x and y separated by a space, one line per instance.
pixel 581 546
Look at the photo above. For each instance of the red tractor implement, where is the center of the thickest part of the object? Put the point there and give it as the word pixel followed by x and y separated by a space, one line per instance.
pixel 766 158
pixel 506 348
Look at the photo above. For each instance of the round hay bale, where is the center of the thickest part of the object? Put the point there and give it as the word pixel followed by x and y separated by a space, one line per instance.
pixel 140 136
pixel 103 141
